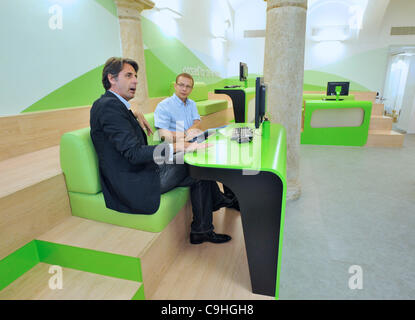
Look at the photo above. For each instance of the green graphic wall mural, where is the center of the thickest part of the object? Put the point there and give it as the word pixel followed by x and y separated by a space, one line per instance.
pixel 81 91
pixel 53 61
pixel 167 56
pixel 63 67
pixel 317 81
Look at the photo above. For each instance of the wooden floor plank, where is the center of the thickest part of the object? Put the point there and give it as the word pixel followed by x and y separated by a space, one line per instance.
pixel 211 271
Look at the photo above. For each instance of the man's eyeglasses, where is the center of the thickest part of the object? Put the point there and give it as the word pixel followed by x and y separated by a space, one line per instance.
pixel 182 85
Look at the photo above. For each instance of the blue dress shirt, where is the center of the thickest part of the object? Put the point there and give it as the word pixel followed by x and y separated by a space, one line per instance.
pixel 174 115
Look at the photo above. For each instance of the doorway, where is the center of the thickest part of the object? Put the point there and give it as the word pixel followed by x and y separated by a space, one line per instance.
pixel 397 97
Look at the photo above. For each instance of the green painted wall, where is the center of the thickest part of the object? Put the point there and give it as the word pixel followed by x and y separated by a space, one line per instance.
pixel 81 91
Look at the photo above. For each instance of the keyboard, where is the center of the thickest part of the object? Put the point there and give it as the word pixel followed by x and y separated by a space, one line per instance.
pixel 242 134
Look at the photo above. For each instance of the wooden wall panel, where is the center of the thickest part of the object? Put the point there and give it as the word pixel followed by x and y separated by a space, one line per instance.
pixel 29 132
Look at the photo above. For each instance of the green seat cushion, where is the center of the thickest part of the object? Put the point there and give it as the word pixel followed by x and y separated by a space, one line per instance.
pixel 154 138
pixel 211 106
pixel 79 162
pixel 93 207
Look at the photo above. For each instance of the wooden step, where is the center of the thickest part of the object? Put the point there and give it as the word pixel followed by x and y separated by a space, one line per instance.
pixel 76 285
pixel 385 138
pixel 156 251
pixel 380 123
pixel 28 169
pixel 378 109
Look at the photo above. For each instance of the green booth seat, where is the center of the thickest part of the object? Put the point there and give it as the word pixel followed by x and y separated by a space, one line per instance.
pixel 79 164
pixel 200 95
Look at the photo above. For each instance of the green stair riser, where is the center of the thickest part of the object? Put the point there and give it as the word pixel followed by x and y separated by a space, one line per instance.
pixel 18 263
pixel 25 258
pixel 103 263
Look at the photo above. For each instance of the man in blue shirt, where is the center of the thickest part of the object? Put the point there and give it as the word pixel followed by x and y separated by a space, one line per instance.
pixel 177 117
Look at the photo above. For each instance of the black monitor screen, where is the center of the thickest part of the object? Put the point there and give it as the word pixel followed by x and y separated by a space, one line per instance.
pixel 243 71
pixel 331 88
pixel 260 101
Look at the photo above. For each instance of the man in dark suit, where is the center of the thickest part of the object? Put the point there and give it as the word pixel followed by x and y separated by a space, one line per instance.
pixel 131 180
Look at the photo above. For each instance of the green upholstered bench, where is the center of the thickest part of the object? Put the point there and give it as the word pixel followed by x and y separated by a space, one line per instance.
pixel 79 164
pixel 200 96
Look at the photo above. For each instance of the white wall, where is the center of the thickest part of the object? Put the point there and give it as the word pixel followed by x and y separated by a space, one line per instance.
pixel 411 126
pixel 250 16
pixel 201 23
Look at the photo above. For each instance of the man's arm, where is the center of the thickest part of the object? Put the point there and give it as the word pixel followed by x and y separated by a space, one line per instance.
pixel 142 121
pixel 171 136
pixel 162 120
pixel 193 131
pixel 121 134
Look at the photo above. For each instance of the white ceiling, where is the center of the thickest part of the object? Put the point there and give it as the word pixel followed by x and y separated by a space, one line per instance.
pixel 236 4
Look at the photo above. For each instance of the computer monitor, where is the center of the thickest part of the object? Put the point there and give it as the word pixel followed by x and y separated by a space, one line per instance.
pixel 331 88
pixel 260 101
pixel 243 71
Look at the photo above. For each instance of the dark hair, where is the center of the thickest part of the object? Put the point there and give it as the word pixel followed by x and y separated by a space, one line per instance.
pixel 114 66
pixel 185 75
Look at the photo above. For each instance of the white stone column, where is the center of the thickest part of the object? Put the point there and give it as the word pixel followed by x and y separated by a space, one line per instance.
pixel 129 15
pixel 284 75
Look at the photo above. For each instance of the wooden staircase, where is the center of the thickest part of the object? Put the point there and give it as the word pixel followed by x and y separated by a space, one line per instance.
pixel 35 212
pixel 380 130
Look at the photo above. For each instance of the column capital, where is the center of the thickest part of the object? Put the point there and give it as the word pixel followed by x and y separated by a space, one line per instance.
pixel 272 4
pixel 131 9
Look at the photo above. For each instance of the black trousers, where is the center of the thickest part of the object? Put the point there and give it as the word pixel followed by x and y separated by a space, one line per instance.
pixel 204 194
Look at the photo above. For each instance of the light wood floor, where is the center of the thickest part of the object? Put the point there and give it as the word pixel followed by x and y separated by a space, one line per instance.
pixel 211 271
pixel 76 285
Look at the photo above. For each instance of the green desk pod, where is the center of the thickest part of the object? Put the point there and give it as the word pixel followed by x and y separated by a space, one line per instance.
pixel 256 173
pixel 344 123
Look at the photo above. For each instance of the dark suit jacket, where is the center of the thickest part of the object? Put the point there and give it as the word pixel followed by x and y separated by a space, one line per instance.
pixel 129 176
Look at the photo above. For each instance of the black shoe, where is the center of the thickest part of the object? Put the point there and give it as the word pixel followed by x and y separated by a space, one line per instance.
pixel 197 238
pixel 225 202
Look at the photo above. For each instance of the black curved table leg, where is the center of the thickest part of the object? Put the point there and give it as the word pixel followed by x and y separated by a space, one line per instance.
pixel 260 200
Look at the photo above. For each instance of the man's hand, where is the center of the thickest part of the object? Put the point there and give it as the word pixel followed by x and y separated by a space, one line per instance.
pixel 187 147
pixel 142 121
pixel 191 133
pixel 171 136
